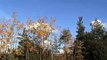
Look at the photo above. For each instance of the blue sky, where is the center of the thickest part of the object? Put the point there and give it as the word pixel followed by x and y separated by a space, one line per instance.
pixel 65 11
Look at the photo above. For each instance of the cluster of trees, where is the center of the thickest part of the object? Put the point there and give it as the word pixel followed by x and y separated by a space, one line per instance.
pixel 94 42
pixel 39 41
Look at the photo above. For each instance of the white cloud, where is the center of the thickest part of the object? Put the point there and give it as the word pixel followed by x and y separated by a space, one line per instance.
pixel 61 51
pixel 104 25
pixel 55 31
pixel 47 42
pixel 99 21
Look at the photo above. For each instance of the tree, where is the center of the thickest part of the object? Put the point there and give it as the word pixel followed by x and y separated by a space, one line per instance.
pixel 8 42
pixel 79 43
pixel 95 47
pixel 81 30
pixel 77 52
pixel 26 45
pixel 66 37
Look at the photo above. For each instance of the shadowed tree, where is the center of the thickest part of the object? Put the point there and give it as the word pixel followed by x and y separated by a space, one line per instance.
pixel 95 46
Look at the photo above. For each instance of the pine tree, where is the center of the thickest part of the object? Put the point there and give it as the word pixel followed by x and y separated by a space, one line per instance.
pixel 26 45
pixel 77 52
pixel 79 43
pixel 95 43
pixel 81 29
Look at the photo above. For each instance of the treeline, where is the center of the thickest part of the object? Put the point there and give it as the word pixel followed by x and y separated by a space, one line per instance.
pixel 42 40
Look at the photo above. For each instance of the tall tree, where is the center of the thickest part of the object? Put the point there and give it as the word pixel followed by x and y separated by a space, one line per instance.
pixel 77 52
pixel 26 45
pixel 79 43
pixel 95 46
pixel 81 29
pixel 66 37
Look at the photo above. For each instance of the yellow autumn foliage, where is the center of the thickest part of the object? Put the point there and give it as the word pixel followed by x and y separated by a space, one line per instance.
pixel 7 31
pixel 19 53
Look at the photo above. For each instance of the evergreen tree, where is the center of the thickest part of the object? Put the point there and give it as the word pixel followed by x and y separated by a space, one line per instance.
pixel 79 43
pixel 81 29
pixel 95 43
pixel 26 45
pixel 77 52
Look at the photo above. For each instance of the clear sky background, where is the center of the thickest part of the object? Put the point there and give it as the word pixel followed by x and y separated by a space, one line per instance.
pixel 65 11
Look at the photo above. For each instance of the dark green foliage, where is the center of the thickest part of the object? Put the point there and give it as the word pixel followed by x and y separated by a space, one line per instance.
pixel 87 46
pixel 81 29
pixel 95 47
pixel 79 51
